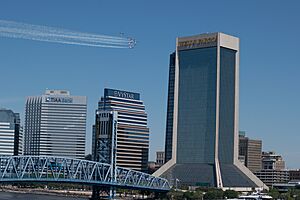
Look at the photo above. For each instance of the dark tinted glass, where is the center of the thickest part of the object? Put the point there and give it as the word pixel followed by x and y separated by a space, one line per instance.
pixel 227 105
pixel 197 105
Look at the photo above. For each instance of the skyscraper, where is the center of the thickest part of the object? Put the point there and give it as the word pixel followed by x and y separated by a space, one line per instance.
pixel 11 137
pixel 55 124
pixel 132 130
pixel 203 112
pixel 251 151
pixel 170 109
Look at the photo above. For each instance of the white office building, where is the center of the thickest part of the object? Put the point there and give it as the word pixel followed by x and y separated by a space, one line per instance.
pixel 55 124
pixel 10 133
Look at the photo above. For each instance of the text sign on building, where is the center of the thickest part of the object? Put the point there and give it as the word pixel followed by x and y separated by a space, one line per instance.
pixel 59 99
pixel 197 43
pixel 121 94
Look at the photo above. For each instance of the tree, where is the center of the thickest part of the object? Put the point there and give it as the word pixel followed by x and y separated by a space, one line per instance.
pixel 213 194
pixel 295 193
pixel 274 193
pixel 230 194
pixel 175 195
pixel 192 195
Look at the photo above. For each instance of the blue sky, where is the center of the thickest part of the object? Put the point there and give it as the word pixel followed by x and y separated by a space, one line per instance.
pixel 269 66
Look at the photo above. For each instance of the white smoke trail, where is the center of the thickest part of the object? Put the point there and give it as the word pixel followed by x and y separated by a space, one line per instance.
pixel 50 34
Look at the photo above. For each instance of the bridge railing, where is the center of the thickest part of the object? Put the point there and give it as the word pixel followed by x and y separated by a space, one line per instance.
pixel 60 169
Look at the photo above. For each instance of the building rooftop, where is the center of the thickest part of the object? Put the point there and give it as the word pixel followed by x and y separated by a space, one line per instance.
pixel 57 92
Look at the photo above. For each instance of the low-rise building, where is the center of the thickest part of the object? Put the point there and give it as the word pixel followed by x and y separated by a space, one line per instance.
pixel 160 160
pixel 271 160
pixel 270 176
pixel 273 169
pixel 294 174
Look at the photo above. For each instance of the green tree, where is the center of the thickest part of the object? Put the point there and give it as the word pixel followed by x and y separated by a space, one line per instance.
pixel 174 195
pixel 188 195
pixel 213 194
pixel 198 194
pixel 230 194
pixel 295 193
pixel 286 196
pixel 274 193
pixel 195 195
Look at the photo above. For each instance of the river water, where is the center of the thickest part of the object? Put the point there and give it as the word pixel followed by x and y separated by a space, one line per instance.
pixel 22 196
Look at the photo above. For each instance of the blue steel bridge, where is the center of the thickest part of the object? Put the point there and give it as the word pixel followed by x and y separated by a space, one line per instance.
pixel 44 169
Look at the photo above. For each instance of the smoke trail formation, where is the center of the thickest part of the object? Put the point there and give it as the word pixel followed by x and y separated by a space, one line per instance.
pixel 50 34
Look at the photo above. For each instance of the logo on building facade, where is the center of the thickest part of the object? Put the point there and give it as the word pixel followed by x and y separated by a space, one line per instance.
pixel 121 94
pixel 59 99
pixel 197 43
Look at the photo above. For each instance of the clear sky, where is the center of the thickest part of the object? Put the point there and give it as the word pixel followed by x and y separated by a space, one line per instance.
pixel 269 61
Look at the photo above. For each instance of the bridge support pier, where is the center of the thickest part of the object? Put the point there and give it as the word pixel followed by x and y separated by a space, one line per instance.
pixel 112 193
pixel 103 193
pixel 95 193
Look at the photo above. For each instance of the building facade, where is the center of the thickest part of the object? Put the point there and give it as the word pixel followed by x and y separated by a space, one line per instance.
pixel 203 106
pixel 271 177
pixel 132 136
pixel 273 169
pixel 11 135
pixel 250 151
pixel 294 174
pixel 271 160
pixel 160 158
pixel 170 110
pixel 55 124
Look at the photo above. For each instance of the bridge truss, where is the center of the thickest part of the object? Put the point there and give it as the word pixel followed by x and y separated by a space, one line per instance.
pixel 59 169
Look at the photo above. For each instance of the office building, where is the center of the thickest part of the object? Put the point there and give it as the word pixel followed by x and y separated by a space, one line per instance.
pixel 250 152
pixel 286 187
pixel 271 160
pixel 11 136
pixel 294 174
pixel 132 135
pixel 55 124
pixel 271 177
pixel 203 106
pixel 160 158
pixel 273 169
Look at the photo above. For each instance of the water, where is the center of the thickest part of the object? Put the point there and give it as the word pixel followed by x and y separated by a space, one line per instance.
pixel 23 196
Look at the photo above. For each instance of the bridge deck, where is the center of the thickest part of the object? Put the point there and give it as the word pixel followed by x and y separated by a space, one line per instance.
pixel 59 169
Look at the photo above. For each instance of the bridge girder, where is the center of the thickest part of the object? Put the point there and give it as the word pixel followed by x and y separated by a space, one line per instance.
pixel 68 170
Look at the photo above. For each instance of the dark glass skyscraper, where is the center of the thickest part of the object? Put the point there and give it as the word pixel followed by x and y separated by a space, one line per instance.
pixel 202 117
pixel 170 108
